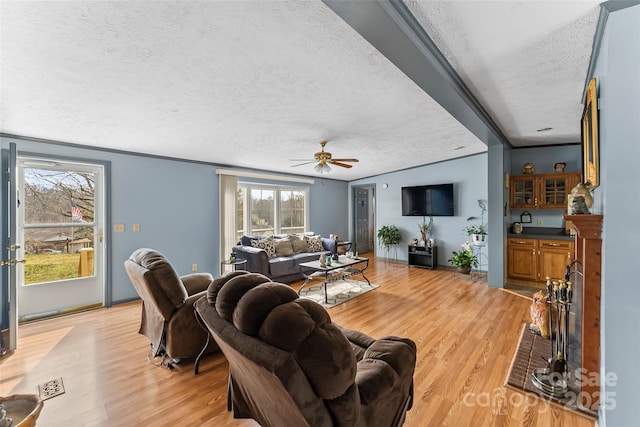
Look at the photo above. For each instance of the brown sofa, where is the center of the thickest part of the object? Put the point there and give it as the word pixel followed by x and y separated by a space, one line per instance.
pixel 168 317
pixel 291 366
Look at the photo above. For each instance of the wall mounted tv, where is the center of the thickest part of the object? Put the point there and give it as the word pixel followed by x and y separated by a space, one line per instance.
pixel 428 200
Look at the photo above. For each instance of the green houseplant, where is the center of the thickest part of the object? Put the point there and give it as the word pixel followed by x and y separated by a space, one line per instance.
pixel 464 259
pixel 388 235
pixel 478 232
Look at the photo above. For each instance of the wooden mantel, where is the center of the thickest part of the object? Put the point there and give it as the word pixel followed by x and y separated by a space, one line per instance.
pixel 588 250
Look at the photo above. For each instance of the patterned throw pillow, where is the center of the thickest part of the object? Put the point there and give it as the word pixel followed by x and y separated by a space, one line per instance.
pixel 266 244
pixel 314 243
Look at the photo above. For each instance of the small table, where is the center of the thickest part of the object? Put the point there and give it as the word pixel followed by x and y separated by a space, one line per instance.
pixel 238 264
pixel 346 265
pixel 346 244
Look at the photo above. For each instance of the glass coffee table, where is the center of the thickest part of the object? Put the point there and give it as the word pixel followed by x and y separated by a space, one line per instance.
pixel 341 269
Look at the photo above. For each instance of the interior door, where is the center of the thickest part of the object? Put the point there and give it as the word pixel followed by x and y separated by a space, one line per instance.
pixel 362 219
pixel 60 215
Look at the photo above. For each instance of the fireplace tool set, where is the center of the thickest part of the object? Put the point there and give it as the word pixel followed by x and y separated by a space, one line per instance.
pixel 553 379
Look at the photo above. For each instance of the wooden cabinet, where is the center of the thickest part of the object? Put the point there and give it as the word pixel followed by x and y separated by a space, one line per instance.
pixel 522 258
pixel 535 259
pixel 554 255
pixel 421 256
pixel 542 191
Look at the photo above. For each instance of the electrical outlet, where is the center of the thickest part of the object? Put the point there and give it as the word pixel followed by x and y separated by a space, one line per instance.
pixel 118 228
pixel 540 221
pixel 135 228
pixel 194 267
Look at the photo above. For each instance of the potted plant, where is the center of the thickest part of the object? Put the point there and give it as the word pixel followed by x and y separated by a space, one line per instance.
pixel 464 259
pixel 478 232
pixel 388 235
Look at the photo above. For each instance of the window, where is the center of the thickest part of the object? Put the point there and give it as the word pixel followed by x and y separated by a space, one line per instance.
pixel 292 211
pixel 264 210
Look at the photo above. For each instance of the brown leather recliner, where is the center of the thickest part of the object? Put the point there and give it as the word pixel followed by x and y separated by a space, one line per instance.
pixel 168 317
pixel 291 366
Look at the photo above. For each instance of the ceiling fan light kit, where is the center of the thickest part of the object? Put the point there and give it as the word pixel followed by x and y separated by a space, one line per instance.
pixel 322 167
pixel 323 159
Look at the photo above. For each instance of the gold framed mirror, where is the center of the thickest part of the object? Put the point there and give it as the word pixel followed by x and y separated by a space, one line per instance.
pixel 590 154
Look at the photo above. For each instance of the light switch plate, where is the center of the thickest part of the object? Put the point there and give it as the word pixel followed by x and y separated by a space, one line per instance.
pixel 118 228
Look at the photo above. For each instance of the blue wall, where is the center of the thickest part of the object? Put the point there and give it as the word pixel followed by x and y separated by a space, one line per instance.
pixel 176 204
pixel 469 176
pixel 618 77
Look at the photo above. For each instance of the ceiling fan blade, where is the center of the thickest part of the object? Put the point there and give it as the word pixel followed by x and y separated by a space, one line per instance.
pixel 343 165
pixel 302 160
pixel 346 160
pixel 302 164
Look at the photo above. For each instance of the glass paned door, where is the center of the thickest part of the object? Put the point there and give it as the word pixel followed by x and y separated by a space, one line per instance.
pixel 60 213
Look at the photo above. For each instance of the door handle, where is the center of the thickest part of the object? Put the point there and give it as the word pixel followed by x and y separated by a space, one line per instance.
pixel 12 262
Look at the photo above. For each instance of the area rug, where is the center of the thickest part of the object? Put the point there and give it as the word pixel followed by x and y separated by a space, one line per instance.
pixel 531 354
pixel 51 389
pixel 338 292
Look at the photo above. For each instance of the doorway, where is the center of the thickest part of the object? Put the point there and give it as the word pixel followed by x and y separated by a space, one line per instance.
pixel 363 218
pixel 59 235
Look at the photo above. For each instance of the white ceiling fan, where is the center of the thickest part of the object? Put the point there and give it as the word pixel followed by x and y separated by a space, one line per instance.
pixel 323 160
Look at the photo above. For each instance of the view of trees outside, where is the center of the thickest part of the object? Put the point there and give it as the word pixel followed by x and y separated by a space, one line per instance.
pixel 263 211
pixel 292 211
pixel 53 231
pixel 241 195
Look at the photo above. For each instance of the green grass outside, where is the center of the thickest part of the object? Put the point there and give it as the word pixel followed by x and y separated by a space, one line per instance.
pixel 41 268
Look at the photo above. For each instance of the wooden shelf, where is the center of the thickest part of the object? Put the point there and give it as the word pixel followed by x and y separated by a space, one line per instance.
pixel 422 256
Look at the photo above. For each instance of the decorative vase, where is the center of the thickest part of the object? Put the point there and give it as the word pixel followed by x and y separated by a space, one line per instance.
pixel 464 270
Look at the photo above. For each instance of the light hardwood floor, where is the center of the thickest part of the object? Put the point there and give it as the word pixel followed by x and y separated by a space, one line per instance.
pixel 466 335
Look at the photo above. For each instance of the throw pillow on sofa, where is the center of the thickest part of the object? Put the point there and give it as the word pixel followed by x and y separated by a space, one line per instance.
pixel 299 244
pixel 283 247
pixel 314 243
pixel 267 244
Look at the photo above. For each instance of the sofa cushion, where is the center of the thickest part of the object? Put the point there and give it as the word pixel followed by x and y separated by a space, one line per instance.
pixel 305 257
pixel 266 244
pixel 299 244
pixel 314 243
pixel 283 266
pixel 283 247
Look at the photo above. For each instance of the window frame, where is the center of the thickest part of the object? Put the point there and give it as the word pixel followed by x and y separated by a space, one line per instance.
pixel 277 189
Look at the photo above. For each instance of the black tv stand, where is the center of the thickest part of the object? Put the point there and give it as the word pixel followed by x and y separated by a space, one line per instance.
pixel 423 256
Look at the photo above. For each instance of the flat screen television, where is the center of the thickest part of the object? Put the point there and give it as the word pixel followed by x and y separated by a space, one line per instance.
pixel 428 200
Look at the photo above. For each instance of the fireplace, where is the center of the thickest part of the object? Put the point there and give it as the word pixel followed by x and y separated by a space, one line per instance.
pixel 584 350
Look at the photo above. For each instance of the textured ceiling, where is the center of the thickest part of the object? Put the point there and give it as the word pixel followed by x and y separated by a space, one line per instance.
pixel 256 83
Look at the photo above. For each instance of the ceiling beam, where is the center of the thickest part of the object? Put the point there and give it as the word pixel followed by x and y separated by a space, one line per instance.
pixel 391 28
